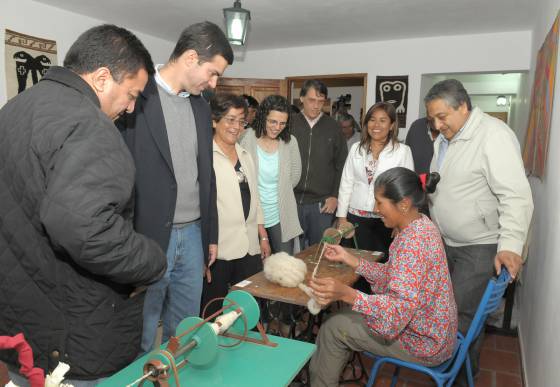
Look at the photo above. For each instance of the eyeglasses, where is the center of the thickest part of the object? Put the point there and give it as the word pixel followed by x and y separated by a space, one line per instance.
pixel 276 123
pixel 232 121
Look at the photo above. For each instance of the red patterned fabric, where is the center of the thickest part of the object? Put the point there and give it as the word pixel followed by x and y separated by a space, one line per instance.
pixel 35 376
pixel 423 177
pixel 413 298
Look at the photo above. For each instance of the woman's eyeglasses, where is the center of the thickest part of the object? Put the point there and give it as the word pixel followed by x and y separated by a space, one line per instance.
pixel 232 121
pixel 276 123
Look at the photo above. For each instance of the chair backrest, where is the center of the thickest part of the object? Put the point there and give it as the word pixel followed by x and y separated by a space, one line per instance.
pixel 490 301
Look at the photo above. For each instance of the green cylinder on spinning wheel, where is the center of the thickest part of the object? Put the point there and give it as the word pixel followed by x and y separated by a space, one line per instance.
pixel 206 348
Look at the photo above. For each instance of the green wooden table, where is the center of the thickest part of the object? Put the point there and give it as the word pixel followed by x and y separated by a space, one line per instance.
pixel 246 365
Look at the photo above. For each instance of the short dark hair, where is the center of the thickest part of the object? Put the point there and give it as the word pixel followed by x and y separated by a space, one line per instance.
pixel 393 132
pixel 341 117
pixel 398 183
pixel 108 46
pixel 251 101
pixel 450 90
pixel 207 39
pixel 270 103
pixel 316 84
pixel 220 104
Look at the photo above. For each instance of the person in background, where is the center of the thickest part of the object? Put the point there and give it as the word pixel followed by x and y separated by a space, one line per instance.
pixel 276 155
pixel 411 314
pixel 420 138
pixel 377 151
pixel 483 205
pixel 252 107
pixel 243 241
pixel 170 138
pixel 350 129
pixel 72 264
pixel 323 151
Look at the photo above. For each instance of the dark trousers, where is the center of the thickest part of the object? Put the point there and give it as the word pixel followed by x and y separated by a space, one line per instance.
pixel 313 223
pixel 371 234
pixel 471 267
pixel 226 274
pixel 275 238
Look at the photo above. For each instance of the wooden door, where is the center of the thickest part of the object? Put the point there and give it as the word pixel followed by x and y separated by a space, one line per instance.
pixel 499 115
pixel 255 87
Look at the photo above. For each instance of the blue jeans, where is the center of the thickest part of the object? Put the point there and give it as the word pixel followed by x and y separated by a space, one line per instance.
pixel 176 295
pixel 313 223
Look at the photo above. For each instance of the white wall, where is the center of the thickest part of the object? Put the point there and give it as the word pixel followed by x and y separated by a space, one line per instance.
pixel 520 108
pixel 540 309
pixel 507 51
pixel 37 19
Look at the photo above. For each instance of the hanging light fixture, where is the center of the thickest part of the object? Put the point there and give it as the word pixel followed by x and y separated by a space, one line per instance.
pixel 237 22
pixel 501 100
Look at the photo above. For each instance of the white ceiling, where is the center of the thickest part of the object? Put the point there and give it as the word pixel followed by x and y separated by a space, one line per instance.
pixel 286 23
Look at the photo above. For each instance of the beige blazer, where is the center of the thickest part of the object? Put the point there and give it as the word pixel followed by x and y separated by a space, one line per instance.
pixel 237 236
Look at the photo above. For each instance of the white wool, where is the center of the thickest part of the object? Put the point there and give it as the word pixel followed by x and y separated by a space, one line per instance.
pixel 287 271
pixel 55 378
pixel 312 304
pixel 284 270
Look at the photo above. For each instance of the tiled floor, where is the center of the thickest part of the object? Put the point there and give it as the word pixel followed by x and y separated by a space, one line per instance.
pixel 500 366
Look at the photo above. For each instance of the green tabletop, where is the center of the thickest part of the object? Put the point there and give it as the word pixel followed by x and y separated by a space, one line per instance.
pixel 245 365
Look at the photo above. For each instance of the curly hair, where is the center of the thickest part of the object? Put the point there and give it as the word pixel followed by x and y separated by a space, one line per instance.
pixel 272 103
pixel 220 104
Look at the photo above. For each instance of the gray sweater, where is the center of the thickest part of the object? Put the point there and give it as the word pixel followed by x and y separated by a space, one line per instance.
pixel 289 172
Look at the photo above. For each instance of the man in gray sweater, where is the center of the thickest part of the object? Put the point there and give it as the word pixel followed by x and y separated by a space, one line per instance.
pixel 323 153
pixel 170 138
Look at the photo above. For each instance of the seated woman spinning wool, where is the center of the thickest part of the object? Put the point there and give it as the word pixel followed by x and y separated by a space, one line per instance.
pixel 411 314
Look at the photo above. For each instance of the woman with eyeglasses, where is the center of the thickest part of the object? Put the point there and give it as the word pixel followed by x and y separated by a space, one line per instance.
pixel 377 151
pixel 242 241
pixel 278 162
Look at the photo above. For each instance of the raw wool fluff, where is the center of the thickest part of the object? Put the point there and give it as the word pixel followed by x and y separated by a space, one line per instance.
pixel 284 270
pixel 287 271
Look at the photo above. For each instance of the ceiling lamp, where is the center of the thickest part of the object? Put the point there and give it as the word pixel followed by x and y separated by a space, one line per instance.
pixel 237 22
pixel 501 100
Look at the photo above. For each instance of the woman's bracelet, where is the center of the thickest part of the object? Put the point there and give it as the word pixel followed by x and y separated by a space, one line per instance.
pixel 264 238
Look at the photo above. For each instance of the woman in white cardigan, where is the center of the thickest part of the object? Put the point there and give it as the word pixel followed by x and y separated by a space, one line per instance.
pixel 242 240
pixel 278 162
pixel 377 151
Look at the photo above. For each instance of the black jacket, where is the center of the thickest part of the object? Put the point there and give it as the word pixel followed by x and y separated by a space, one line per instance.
pixel 145 134
pixel 323 152
pixel 69 256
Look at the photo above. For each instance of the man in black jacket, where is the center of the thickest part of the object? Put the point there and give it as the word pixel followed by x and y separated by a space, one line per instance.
pixel 170 137
pixel 70 258
pixel 323 153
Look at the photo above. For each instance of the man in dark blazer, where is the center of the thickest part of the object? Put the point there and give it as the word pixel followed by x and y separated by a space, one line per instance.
pixel 170 137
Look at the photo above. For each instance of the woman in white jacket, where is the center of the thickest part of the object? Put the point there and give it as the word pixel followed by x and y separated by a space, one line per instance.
pixel 377 151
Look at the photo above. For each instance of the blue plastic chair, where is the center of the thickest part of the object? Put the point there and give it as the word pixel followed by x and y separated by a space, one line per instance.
pixel 445 373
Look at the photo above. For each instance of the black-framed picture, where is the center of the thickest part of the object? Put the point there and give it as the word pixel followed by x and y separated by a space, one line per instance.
pixel 27 60
pixel 393 89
